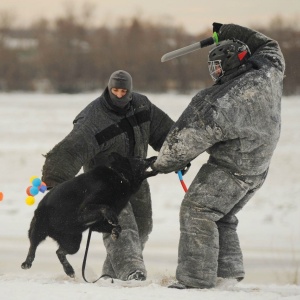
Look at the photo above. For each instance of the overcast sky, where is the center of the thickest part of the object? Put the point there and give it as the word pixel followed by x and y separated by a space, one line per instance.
pixel 193 15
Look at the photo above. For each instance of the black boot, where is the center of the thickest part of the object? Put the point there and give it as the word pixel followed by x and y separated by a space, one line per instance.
pixel 178 285
pixel 137 275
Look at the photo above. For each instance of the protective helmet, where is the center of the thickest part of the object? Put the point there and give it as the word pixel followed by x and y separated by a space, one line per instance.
pixel 122 80
pixel 227 55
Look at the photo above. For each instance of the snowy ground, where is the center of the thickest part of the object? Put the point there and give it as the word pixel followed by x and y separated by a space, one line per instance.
pixel 31 124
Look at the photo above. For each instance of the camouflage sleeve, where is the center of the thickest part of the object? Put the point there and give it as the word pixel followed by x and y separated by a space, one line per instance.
pixel 262 47
pixel 65 160
pixel 189 137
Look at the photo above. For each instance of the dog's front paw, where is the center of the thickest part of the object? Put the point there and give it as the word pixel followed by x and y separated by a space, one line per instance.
pixel 25 265
pixel 69 271
pixel 115 233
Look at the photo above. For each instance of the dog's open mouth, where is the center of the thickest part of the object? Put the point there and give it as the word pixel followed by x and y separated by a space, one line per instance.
pixel 149 171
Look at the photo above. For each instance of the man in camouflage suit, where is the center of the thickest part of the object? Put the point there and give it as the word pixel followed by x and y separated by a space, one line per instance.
pixel 237 121
pixel 125 122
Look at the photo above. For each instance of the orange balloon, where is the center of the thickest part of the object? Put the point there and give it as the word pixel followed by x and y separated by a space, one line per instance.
pixel 1 196
pixel 28 191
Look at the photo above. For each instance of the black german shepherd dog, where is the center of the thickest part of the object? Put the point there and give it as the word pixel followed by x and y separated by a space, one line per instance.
pixel 91 200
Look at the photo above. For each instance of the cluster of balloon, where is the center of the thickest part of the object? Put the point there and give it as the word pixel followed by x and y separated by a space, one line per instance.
pixel 37 186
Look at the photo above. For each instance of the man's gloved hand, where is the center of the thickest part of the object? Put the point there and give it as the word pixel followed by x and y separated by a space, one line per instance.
pixel 185 169
pixel 216 27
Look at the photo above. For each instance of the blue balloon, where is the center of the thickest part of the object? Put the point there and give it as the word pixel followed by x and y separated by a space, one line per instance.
pixel 43 188
pixel 36 182
pixel 33 190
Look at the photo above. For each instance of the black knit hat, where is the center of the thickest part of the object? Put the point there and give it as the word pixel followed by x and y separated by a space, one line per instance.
pixel 121 80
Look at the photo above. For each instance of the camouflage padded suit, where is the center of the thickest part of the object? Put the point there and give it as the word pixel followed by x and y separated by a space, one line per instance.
pixel 99 130
pixel 237 121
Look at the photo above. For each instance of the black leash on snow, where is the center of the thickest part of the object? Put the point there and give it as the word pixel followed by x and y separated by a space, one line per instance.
pixel 85 258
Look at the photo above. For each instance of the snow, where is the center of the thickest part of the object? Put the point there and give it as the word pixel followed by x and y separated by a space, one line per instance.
pixel 31 124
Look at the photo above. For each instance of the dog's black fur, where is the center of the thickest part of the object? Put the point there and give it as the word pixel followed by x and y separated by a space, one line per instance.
pixel 93 199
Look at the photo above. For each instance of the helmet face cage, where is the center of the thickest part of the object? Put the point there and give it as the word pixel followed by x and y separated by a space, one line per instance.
pixel 226 56
pixel 215 69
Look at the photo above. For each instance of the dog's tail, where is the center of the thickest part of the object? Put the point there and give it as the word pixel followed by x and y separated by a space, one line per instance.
pixel 39 226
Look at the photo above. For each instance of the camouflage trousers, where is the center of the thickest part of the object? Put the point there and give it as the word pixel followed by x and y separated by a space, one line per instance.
pixel 125 255
pixel 209 245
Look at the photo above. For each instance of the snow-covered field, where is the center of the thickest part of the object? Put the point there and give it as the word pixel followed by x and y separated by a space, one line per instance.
pixel 269 229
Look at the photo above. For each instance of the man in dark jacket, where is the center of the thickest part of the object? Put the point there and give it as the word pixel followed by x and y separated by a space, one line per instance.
pixel 125 122
pixel 237 121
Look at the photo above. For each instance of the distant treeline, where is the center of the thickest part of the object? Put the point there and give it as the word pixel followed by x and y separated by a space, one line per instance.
pixel 68 56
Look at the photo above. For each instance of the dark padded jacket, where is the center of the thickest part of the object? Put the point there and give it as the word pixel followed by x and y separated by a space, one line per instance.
pixel 237 120
pixel 99 130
